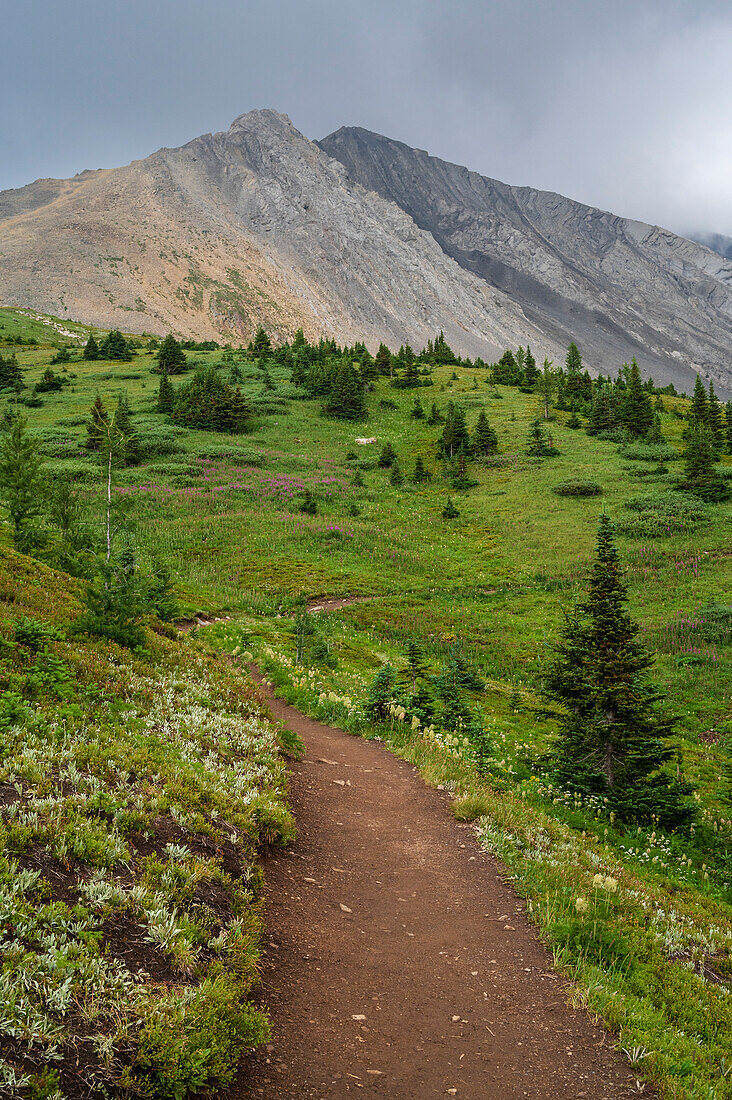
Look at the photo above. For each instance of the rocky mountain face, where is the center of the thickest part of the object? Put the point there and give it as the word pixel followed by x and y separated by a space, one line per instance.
pixel 360 237
pixel 256 225
pixel 618 287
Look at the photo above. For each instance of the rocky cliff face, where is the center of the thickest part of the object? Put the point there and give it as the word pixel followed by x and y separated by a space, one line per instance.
pixel 256 225
pixel 619 287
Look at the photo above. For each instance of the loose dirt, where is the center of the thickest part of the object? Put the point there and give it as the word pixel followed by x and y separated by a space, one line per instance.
pixel 398 963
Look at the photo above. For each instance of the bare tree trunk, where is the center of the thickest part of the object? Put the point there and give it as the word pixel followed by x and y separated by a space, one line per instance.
pixel 109 504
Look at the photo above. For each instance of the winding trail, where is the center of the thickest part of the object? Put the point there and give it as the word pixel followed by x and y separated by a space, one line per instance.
pixel 398 963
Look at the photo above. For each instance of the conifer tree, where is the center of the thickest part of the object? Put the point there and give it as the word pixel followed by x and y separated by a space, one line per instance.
pixel 166 395
pixel 603 414
pixel 417 412
pixel 574 359
pixel 420 472
pixel 484 440
pixel 130 444
pixel 547 386
pixel 539 445
pixel 96 425
pixel 637 410
pixel 387 456
pixel 450 511
pixel 654 434
pixel 396 476
pixel 384 361
pixel 531 371
pixel 115 347
pixel 613 741
pixel 11 376
pixel 700 476
pixel 22 480
pixel 435 416
pixel 171 357
pixel 698 411
pixel 261 345
pixel 346 399
pixel 455 433
pixel 715 420
pixel 91 349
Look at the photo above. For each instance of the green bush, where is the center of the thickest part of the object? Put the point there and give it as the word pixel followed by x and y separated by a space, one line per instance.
pixel 578 487
pixel 660 515
pixel 193 1040
pixel 649 452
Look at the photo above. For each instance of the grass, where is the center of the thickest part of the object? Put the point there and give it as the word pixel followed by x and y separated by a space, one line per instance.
pixel 652 957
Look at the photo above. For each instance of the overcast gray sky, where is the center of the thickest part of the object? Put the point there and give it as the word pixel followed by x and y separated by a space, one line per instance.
pixel 624 105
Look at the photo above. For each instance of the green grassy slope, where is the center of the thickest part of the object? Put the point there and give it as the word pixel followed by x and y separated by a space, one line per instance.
pixel 136 791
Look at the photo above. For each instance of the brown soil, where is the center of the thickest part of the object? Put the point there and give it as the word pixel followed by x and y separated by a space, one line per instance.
pixel 397 960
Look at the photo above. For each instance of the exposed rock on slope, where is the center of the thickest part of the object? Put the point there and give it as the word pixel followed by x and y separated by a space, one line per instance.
pixel 619 287
pixel 253 225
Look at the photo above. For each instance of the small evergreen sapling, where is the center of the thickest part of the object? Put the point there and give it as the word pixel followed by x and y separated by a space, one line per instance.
pixel 396 476
pixel 387 457
pixel 450 511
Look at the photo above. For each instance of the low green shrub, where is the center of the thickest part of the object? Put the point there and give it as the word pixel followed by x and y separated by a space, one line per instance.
pixel 578 487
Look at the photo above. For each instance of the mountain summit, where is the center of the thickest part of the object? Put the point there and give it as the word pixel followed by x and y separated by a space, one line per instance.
pixel 360 237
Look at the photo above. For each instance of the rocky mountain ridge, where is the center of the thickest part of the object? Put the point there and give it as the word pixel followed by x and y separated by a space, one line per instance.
pixel 360 237
pixel 617 286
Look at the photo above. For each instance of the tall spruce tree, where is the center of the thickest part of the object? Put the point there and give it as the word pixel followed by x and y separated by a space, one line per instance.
pixel 346 399
pixel 700 476
pixel 531 371
pixel 636 409
pixel 455 433
pixel 484 440
pixel 261 345
pixel 91 349
pixel 728 427
pixel 613 740
pixel 115 347
pixel 171 357
pixel 574 359
pixel 11 376
pixel 22 480
pixel 166 395
pixel 699 409
pixel 715 420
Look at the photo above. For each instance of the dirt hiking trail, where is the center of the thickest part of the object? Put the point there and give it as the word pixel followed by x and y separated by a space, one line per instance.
pixel 398 963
